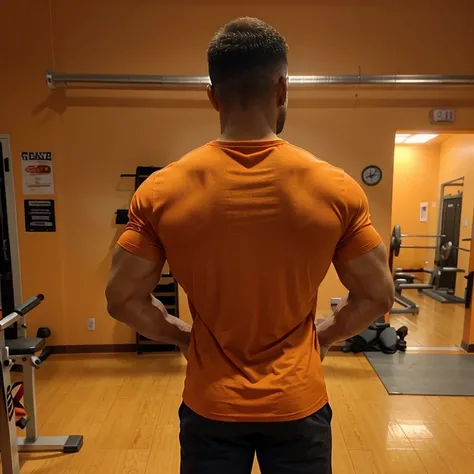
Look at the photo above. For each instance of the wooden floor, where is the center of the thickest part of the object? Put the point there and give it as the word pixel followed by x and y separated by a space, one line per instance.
pixel 437 324
pixel 126 408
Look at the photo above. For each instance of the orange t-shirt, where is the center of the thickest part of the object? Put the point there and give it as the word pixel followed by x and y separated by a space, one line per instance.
pixel 249 230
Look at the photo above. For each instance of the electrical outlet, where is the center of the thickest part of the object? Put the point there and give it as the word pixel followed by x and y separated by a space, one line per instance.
pixel 466 222
pixel 91 324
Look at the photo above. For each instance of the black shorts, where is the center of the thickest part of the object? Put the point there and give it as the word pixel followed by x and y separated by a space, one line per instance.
pixel 289 447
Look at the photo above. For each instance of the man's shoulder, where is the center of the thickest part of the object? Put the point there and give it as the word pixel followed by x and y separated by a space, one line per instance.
pixel 202 157
pixel 198 157
pixel 303 158
pixel 203 150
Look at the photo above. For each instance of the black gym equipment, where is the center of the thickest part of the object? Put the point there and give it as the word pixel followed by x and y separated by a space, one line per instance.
pixel 404 280
pixel 448 247
pixel 396 241
pixel 42 333
pixel 378 337
pixel 22 351
pixel 437 292
pixel 433 288
pixel 445 269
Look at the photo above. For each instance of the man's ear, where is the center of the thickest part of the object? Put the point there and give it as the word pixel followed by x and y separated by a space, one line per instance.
pixel 212 97
pixel 282 91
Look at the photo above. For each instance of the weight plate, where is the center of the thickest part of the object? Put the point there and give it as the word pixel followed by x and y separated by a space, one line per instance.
pixel 445 251
pixel 396 242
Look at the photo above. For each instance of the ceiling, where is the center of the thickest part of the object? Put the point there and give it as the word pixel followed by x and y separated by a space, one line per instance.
pixel 440 138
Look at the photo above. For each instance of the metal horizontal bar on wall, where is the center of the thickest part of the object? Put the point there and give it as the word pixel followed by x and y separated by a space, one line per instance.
pixel 56 80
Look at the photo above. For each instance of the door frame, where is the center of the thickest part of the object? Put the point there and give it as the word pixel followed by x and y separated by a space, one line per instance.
pixel 12 219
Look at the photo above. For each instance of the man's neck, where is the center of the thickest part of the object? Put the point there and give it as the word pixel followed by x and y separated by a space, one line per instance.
pixel 245 127
pixel 241 137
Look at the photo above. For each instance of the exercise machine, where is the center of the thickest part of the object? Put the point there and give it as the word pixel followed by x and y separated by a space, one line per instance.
pixel 22 352
pixel 404 280
pixel 443 295
pixel 437 292
pixel 445 270
pixel 433 288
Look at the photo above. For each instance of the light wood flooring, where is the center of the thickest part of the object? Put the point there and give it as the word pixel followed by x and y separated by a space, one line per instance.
pixel 126 408
pixel 437 324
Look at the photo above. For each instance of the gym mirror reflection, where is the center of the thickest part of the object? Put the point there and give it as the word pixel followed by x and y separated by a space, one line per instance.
pixel 432 211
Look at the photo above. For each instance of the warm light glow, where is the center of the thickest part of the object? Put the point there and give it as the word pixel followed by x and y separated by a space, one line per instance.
pixel 420 138
pixel 401 137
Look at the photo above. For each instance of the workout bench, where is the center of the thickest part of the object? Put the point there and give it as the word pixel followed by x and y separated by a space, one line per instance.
pixel 22 352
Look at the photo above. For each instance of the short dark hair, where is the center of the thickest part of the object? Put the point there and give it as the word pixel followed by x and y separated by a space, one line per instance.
pixel 243 56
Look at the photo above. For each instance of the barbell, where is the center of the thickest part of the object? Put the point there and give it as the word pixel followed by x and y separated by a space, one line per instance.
pixel 396 243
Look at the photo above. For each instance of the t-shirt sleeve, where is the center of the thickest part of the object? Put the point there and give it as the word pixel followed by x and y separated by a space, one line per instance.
pixel 359 235
pixel 140 236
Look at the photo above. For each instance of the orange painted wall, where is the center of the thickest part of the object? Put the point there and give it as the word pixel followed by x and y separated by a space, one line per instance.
pixel 456 160
pixel 415 180
pixel 95 136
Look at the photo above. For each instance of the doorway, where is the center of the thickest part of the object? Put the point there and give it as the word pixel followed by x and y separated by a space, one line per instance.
pixel 10 278
pixel 424 163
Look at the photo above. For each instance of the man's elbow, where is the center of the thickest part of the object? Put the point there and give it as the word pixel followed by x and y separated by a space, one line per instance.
pixel 116 312
pixel 116 306
pixel 385 298
pixel 385 304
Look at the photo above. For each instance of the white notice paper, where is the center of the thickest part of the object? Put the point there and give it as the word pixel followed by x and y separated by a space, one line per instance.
pixel 37 172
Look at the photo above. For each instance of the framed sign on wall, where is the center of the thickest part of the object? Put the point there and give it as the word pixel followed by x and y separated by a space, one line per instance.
pixel 423 211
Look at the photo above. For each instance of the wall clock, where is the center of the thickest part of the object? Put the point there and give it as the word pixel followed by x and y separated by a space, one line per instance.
pixel 371 175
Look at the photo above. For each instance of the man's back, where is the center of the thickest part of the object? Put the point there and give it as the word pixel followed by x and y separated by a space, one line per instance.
pixel 249 230
pixel 249 225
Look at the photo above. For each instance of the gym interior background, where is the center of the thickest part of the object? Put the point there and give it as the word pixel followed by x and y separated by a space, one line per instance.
pixel 419 171
pixel 95 135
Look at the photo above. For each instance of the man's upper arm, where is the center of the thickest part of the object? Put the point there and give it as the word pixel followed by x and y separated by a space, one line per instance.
pixel 131 277
pixel 368 277
pixel 358 236
pixel 140 237
pixel 139 256
pixel 361 258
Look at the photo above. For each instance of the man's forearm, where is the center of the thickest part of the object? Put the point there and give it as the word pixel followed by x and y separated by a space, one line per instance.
pixel 151 319
pixel 352 316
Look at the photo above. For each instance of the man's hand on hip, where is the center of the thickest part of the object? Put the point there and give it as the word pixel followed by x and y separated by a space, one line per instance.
pixel 320 325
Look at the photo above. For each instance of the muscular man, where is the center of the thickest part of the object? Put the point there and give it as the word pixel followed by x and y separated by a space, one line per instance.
pixel 249 225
